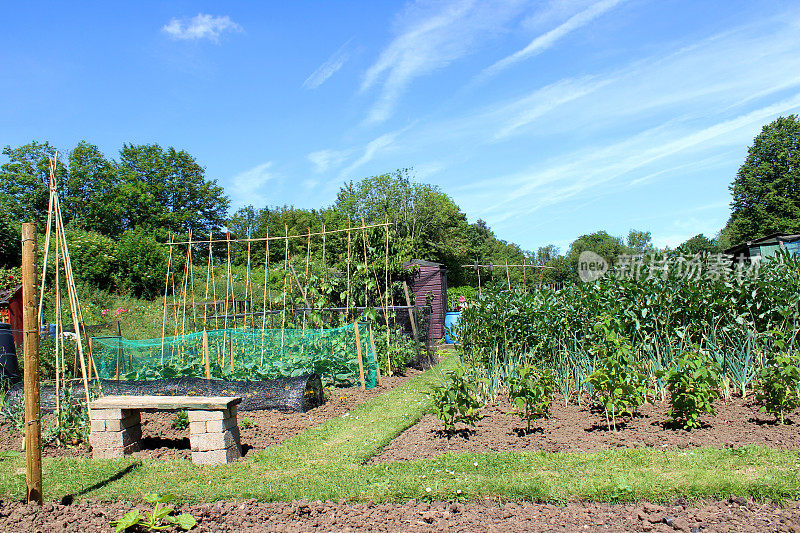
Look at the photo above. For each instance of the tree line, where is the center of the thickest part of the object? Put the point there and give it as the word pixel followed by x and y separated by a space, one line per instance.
pixel 120 208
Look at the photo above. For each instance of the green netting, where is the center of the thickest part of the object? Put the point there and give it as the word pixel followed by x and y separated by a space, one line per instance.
pixel 242 354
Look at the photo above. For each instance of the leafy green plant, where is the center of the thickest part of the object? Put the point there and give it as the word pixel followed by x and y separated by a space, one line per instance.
pixel 72 422
pixel 778 386
pixel 157 519
pixel 181 420
pixel 455 400
pixel 14 412
pixel 618 384
pixel 693 385
pixel 246 423
pixel 531 390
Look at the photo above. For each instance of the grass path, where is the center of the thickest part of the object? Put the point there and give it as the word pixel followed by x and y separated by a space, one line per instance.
pixel 326 463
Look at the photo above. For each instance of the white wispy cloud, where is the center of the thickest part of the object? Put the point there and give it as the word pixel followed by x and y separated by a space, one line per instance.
pixel 595 168
pixel 372 148
pixel 202 26
pixel 327 159
pixel 248 187
pixel 524 111
pixel 328 68
pixel 430 37
pixel 547 40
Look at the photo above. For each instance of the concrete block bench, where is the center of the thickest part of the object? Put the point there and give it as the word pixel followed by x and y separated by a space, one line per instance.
pixel 213 430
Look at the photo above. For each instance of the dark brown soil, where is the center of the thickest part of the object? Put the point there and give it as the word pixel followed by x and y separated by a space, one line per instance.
pixel 576 428
pixel 734 515
pixel 160 440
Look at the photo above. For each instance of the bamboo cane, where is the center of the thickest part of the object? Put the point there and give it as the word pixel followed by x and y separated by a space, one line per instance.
pixel 386 290
pixel 259 239
pixel 59 341
pixel 303 292
pixel 375 356
pixel 348 272
pixel 266 285
pixel 360 358
pixel 166 290
pixel 247 283
pixel 324 272
pixel 285 274
pixel 191 274
pixel 72 298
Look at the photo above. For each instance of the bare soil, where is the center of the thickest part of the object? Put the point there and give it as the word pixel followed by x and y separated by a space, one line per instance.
pixel 734 515
pixel 576 428
pixel 161 441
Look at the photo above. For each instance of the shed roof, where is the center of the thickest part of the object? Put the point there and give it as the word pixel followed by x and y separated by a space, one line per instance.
pixel 773 238
pixel 6 295
pixel 421 262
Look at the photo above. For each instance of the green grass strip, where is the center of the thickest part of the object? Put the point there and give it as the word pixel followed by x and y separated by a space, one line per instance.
pixel 326 463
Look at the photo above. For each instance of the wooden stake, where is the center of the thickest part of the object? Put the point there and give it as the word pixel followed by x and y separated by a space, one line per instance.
pixel 386 291
pixel 47 241
pixel 205 296
pixel 205 354
pixel 324 273
pixel 375 356
pixel 186 283
pixel 166 290
pixel 285 274
pixel 247 283
pixel 508 275
pixel 303 291
pixel 30 351
pixel 191 273
pixel 347 317
pixel 266 286
pixel 478 270
pixel 73 297
pixel 360 358
pixel 410 317
pixel 59 339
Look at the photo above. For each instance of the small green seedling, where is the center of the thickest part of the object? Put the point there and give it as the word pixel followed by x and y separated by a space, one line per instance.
pixel 532 393
pixel 246 423
pixel 156 520
pixel 455 400
pixel 693 387
pixel 181 420
pixel 777 386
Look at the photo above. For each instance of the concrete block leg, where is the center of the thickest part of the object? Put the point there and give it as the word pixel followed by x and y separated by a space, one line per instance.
pixel 115 432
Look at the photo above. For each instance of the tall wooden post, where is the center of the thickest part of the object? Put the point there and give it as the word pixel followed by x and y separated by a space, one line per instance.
pixel 30 351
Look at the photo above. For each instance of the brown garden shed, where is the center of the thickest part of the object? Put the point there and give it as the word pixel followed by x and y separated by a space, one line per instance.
pixel 430 278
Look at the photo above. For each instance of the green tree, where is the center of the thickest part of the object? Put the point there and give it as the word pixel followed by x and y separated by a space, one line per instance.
pixel 24 182
pixel 10 244
pixel 698 244
pixel 142 264
pixel 639 241
pixel 599 242
pixel 92 191
pixel 545 254
pixel 766 190
pixel 167 191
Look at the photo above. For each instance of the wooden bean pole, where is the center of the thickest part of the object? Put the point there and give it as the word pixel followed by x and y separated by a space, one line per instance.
pixel 30 351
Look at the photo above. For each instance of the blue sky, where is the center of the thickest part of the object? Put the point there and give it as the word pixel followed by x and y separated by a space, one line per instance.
pixel 547 119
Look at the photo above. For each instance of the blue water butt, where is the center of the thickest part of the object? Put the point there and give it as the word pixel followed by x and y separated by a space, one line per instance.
pixel 450 320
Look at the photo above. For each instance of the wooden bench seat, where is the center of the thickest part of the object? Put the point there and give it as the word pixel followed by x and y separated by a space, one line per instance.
pixel 213 429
